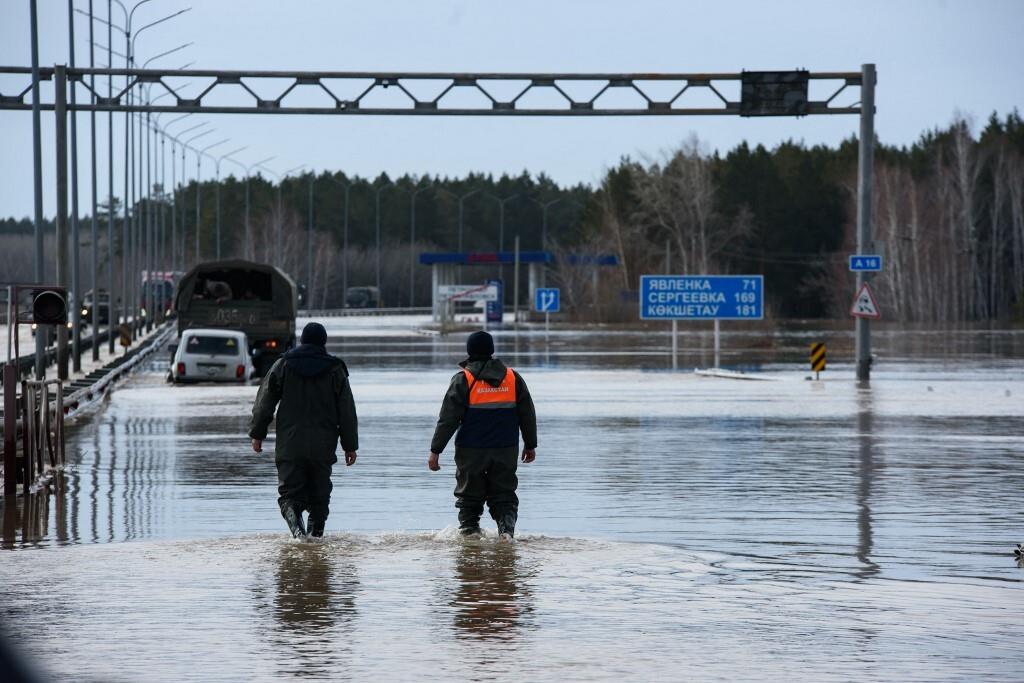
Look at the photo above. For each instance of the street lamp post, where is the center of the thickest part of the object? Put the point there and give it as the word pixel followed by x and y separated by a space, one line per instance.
pixel 462 200
pixel 544 220
pixel 216 166
pixel 501 227
pixel 129 241
pixel 174 183
pixel 138 227
pixel 412 240
pixel 377 257
pixel 76 288
pixel 111 318
pixel 309 243
pixel 344 236
pixel 279 246
pixel 199 169
pixel 186 146
pixel 248 172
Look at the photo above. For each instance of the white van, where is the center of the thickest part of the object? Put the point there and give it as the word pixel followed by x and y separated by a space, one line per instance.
pixel 212 356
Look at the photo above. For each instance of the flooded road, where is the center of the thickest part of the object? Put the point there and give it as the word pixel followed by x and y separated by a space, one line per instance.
pixel 672 527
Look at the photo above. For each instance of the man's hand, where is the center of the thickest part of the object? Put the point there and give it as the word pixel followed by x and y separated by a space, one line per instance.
pixel 529 454
pixel 257 445
pixel 350 458
pixel 432 462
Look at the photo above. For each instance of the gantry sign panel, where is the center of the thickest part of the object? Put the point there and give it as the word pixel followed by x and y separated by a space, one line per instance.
pixel 757 93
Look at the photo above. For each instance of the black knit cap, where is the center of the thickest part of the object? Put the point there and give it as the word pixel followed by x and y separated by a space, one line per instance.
pixel 480 345
pixel 314 333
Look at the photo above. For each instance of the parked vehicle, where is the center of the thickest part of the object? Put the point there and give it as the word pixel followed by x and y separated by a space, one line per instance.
pixel 212 356
pixel 256 299
pixel 362 297
pixel 101 304
pixel 161 290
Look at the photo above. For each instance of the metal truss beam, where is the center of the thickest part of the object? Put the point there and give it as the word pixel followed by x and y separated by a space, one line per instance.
pixel 347 93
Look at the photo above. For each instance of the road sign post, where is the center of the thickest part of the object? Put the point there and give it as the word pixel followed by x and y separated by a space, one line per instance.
pixel 865 183
pixel 701 297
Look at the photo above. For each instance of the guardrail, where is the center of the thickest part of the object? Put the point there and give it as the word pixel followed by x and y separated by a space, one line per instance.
pixel 27 362
pixel 41 432
pixel 350 312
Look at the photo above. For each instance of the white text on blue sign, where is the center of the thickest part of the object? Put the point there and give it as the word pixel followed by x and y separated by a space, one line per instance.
pixel 865 262
pixel 701 297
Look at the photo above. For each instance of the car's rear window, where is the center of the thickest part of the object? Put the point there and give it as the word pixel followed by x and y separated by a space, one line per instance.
pixel 216 346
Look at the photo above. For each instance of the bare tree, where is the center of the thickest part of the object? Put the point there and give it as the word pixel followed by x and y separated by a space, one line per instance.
pixel 677 197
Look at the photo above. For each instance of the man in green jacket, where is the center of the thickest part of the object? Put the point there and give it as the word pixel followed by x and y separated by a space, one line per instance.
pixel 489 405
pixel 316 409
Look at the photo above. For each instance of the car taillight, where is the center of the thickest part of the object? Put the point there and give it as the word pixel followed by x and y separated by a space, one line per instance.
pixel 240 371
pixel 181 369
pixel 271 344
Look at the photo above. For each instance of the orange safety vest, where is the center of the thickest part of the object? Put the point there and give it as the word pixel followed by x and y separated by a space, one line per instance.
pixel 491 419
pixel 483 395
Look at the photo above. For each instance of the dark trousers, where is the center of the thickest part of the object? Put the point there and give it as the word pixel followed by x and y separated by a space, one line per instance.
pixel 305 485
pixel 487 475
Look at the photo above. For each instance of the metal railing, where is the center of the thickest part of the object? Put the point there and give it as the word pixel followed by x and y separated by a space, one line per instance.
pixel 33 421
pixel 350 312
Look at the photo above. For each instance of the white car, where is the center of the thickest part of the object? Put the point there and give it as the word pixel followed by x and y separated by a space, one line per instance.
pixel 211 356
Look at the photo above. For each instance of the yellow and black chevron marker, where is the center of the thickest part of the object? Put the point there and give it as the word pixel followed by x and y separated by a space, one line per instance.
pixel 817 358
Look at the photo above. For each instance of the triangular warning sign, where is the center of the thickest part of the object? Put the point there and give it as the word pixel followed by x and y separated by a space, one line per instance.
pixel 865 306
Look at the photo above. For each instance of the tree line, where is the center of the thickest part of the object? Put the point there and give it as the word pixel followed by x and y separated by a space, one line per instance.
pixel 948 217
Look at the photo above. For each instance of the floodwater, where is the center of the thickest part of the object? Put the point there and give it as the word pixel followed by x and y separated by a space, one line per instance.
pixel 673 527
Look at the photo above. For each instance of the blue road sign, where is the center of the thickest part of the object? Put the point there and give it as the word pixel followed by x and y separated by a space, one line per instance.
pixel 865 262
pixel 701 297
pixel 547 300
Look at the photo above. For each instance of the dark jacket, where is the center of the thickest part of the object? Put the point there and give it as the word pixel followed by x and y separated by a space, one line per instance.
pixel 456 402
pixel 316 405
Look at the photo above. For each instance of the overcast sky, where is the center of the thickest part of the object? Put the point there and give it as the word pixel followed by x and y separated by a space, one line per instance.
pixel 934 58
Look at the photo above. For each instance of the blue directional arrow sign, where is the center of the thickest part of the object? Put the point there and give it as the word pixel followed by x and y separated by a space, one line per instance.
pixel 701 297
pixel 547 300
pixel 865 262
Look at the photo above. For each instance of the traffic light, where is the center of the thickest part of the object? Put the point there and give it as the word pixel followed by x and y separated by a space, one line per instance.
pixel 50 306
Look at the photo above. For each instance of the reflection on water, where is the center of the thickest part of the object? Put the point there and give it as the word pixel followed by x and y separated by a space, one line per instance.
pixel 812 530
pixel 866 475
pixel 491 598
pixel 305 607
pixel 306 599
pixel 410 606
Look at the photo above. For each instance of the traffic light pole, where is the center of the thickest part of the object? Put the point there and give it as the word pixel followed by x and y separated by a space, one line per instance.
pixel 61 133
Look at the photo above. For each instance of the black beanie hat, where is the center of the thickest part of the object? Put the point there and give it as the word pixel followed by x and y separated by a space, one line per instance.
pixel 314 333
pixel 480 345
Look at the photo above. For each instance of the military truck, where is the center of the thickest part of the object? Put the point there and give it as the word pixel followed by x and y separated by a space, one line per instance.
pixel 256 298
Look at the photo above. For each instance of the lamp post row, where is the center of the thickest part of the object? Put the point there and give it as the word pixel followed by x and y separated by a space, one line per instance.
pixel 143 233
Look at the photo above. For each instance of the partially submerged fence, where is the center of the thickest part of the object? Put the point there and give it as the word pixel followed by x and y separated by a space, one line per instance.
pixel 33 419
pixel 38 419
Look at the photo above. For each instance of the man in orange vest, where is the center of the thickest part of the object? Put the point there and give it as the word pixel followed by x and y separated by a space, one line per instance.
pixel 489 405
